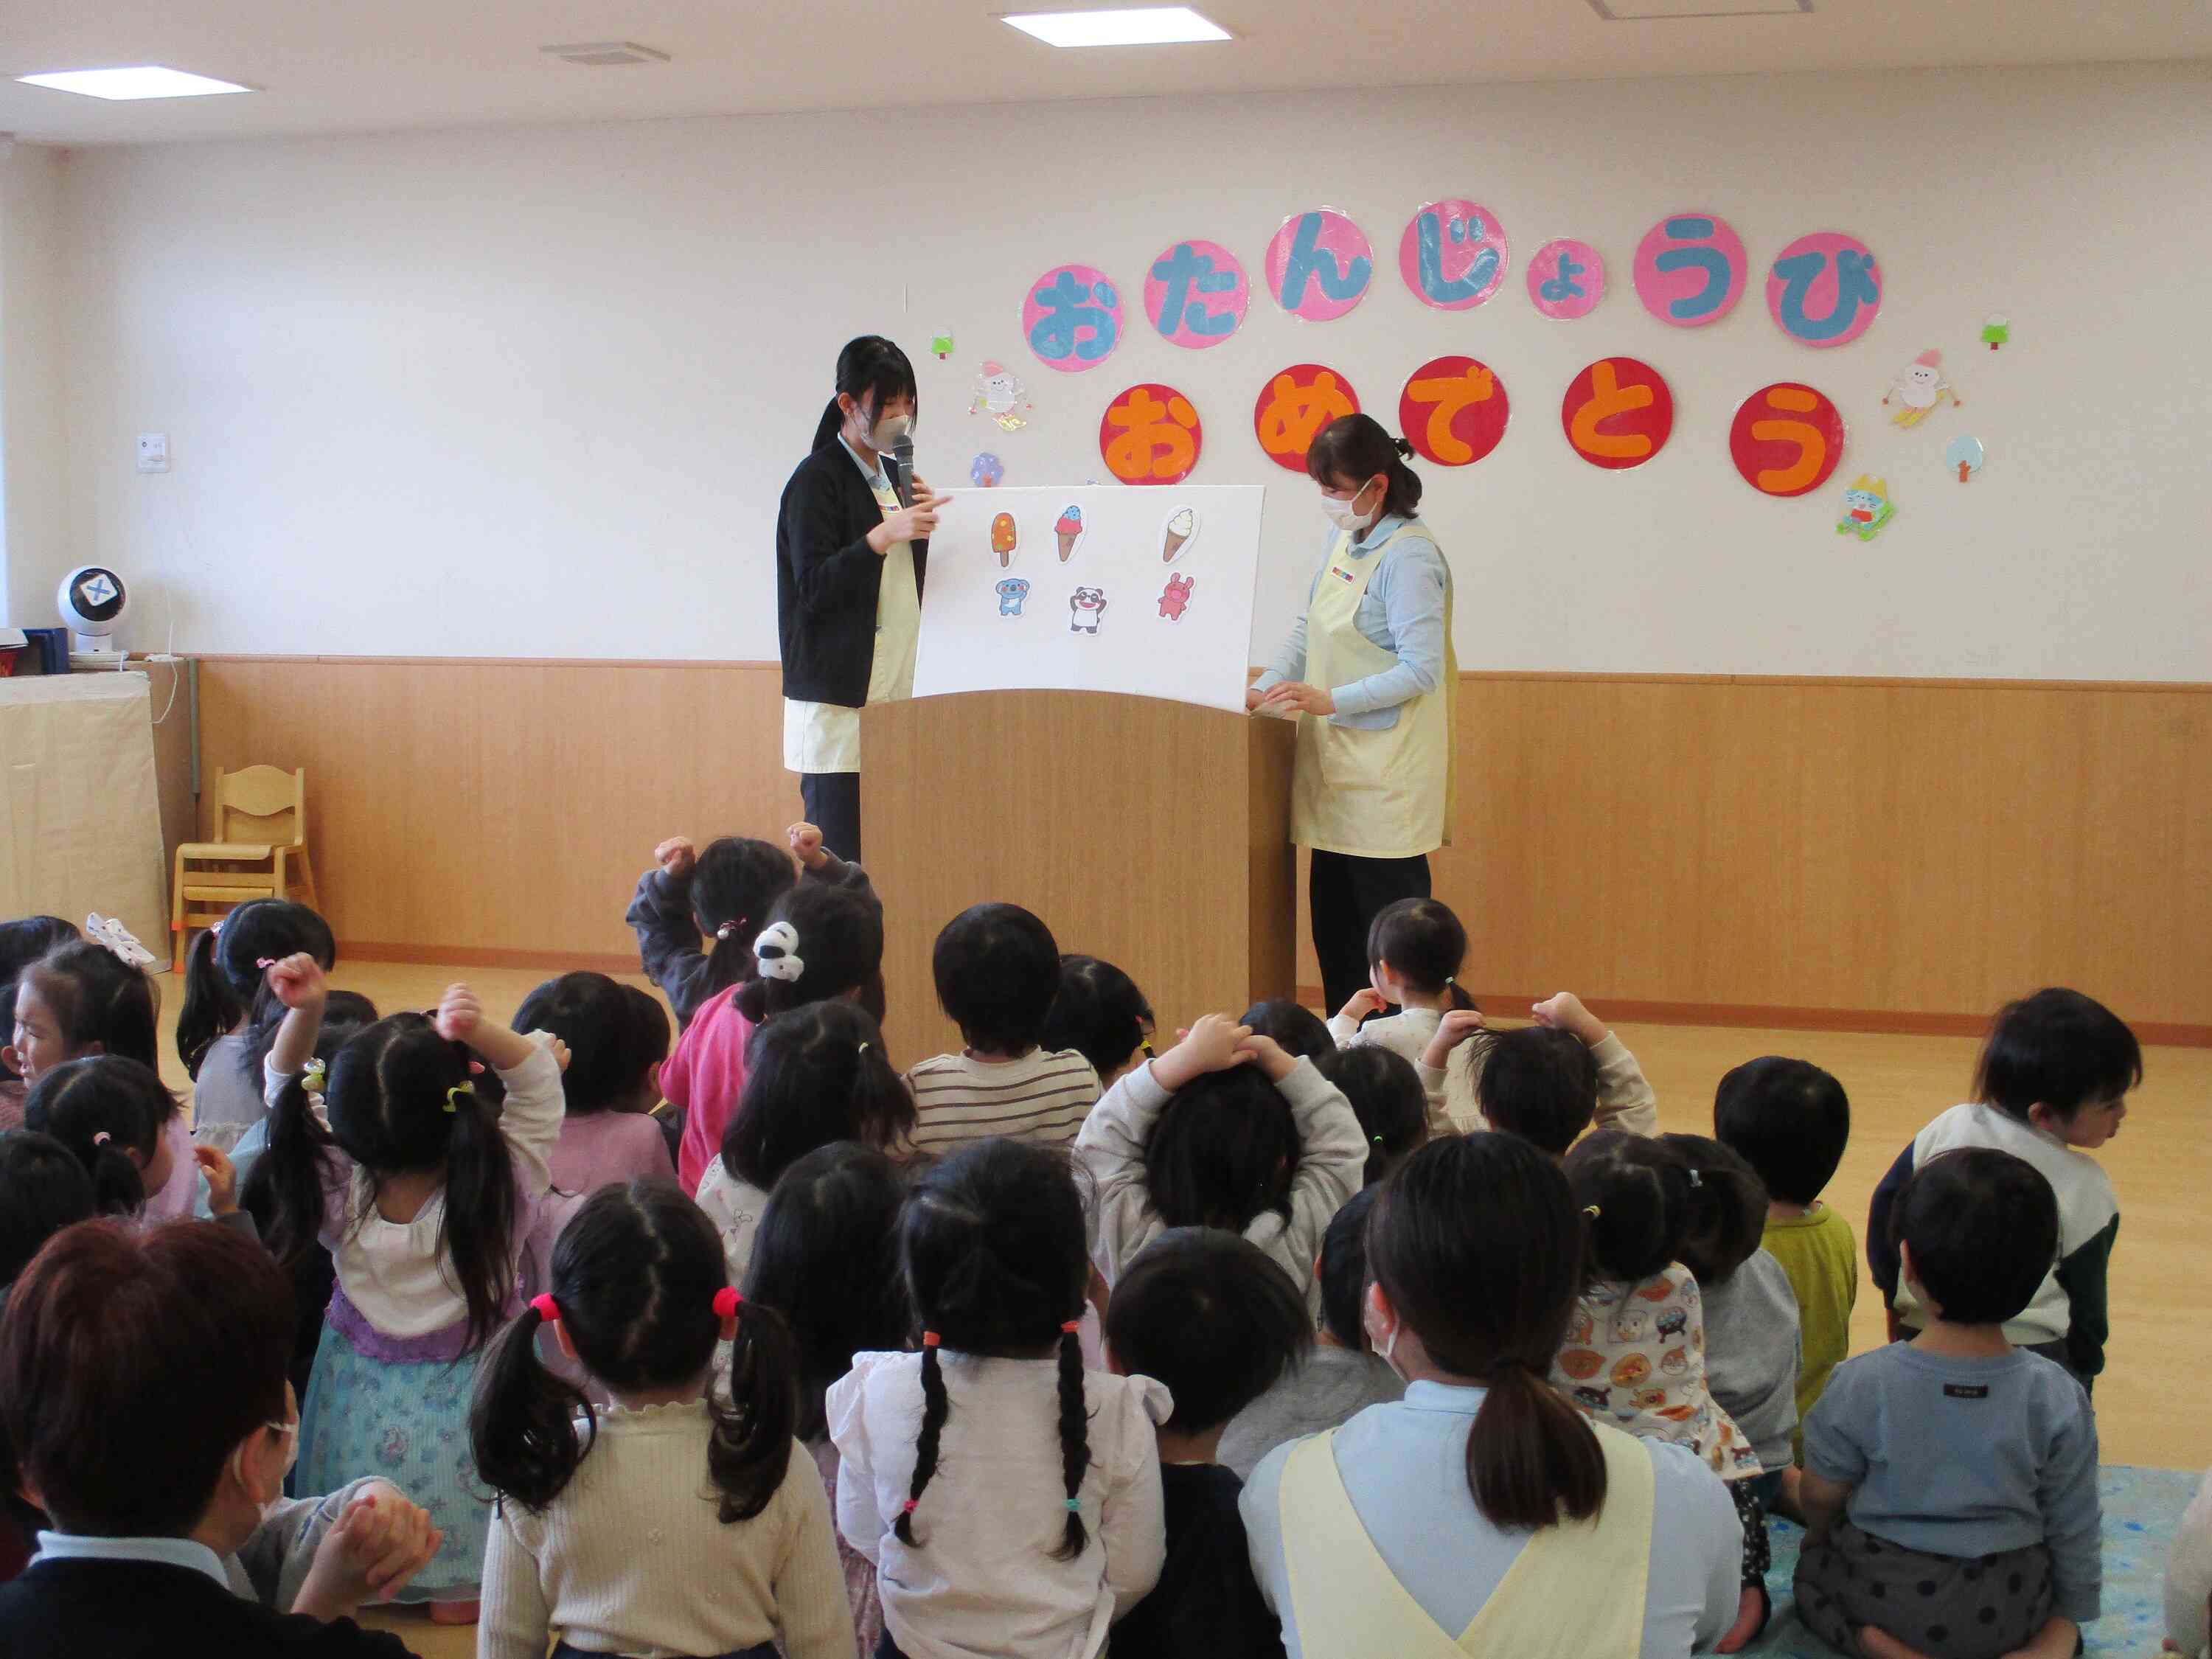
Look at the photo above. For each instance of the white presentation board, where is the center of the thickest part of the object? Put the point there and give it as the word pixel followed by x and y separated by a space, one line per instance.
pixel 1098 587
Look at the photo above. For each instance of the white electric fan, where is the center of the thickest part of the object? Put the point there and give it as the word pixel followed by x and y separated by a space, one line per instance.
pixel 91 600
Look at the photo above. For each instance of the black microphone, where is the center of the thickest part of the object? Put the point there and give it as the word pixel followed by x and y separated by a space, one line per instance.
pixel 902 452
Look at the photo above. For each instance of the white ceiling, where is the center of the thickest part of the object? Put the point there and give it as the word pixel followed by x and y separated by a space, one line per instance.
pixel 328 66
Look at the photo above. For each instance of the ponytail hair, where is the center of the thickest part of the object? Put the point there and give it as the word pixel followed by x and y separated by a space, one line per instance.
pixel 994 1248
pixel 103 1108
pixel 816 1075
pixel 840 951
pixel 1353 448
pixel 1425 945
pixel 735 881
pixel 1727 1210
pixel 211 1007
pixel 638 1283
pixel 226 985
pixel 284 1190
pixel 1647 1194
pixel 870 370
pixel 1477 1245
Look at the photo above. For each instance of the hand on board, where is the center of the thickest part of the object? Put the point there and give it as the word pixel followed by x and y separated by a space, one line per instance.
pixel 1297 694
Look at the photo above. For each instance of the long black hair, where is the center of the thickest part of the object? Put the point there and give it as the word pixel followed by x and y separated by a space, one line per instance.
pixel 1479 1248
pixel 225 984
pixel 815 1075
pixel 1223 1152
pixel 826 1258
pixel 996 1259
pixel 870 370
pixel 636 1276
pixel 102 1108
pixel 734 882
pixel 839 951
pixel 402 1099
pixel 1353 448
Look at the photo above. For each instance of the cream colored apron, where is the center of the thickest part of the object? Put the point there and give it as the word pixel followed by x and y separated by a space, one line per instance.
pixel 825 737
pixel 1380 794
pixel 1576 1591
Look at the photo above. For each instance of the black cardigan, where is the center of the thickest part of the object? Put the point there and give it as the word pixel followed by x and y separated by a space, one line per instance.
pixel 78 1608
pixel 827 579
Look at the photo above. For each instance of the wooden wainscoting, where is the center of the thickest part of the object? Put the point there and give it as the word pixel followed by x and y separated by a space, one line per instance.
pixel 1885 854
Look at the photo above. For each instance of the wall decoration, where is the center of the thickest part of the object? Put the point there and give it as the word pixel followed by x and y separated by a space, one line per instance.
pixel 987 470
pixel 1920 390
pixel 1453 254
pixel 1319 264
pixel 1151 434
pixel 1004 539
pixel 1964 456
pixel 1072 317
pixel 1689 270
pixel 1566 279
pixel 1196 293
pixel 1099 622
pixel 940 344
pixel 1867 508
pixel 1825 289
pixel 1068 530
pixel 1177 533
pixel 1786 439
pixel 1997 330
pixel 1617 413
pixel 1453 410
pixel 1294 406
pixel 1000 395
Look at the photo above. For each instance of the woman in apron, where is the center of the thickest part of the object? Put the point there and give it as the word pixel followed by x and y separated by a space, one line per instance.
pixel 1483 1514
pixel 849 561
pixel 1369 664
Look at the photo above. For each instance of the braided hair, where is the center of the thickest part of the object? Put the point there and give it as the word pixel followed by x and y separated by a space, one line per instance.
pixel 993 1247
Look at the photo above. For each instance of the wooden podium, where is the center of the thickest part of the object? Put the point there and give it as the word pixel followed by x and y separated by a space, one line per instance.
pixel 1154 834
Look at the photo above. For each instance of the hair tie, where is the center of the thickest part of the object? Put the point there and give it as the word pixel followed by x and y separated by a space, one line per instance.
pixel 1075 1506
pixel 265 963
pixel 775 952
pixel 546 1308
pixel 101 1138
pixel 726 930
pixel 864 1049
pixel 727 1301
pixel 1591 1210
pixel 454 1094
pixel 1378 1140
pixel 931 1339
pixel 1696 1180
pixel 910 1506
pixel 1071 1328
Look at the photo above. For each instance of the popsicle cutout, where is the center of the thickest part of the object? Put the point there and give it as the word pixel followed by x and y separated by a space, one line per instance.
pixel 1003 539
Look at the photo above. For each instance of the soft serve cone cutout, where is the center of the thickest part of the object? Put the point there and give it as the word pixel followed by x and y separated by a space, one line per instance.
pixel 1181 529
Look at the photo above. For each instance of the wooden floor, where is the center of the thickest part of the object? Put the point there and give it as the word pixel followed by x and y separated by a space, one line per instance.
pixel 2161 1162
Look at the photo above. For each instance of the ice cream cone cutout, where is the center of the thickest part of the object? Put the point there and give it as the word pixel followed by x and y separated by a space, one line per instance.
pixel 1068 527
pixel 1182 525
pixel 1003 539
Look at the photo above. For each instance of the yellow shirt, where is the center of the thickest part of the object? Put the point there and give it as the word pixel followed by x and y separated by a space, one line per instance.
pixel 1821 1256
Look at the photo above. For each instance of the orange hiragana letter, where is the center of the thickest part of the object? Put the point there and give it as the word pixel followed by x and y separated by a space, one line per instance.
pixel 1156 440
pixel 1812 448
pixel 1606 399
pixel 1450 393
pixel 1294 414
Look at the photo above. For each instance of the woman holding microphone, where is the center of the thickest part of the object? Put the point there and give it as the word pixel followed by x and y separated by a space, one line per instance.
pixel 851 544
pixel 1369 664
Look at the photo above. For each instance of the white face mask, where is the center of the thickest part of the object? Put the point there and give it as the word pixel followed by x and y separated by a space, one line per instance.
pixel 1347 515
pixel 291 1432
pixel 1383 1345
pixel 884 436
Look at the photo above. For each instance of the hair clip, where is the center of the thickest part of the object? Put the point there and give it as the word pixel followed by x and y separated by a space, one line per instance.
pixel 546 1308
pixel 1591 1210
pixel 727 1301
pixel 931 1340
pixel 1075 1506
pixel 1071 1328
pixel 101 1138
pixel 110 932
pixel 775 952
pixel 454 1094
pixel 1696 1180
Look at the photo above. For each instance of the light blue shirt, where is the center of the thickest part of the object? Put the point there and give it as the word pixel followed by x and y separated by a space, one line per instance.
pixel 1402 611
pixel 169 1551
pixel 879 476
pixel 1404 1468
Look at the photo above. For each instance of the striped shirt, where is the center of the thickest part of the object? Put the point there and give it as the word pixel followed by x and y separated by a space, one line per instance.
pixel 1043 1096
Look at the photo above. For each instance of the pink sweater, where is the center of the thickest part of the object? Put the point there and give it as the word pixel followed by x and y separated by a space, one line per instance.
pixel 599 1148
pixel 706 1075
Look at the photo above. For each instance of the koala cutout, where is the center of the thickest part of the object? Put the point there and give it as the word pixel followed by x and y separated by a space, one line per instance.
pixel 1086 607
pixel 1011 592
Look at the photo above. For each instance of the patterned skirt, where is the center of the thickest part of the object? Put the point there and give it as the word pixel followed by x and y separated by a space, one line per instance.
pixel 408 1423
pixel 1945 1605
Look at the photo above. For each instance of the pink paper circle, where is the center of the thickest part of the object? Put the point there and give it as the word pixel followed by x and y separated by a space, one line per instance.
pixel 1453 254
pixel 1199 312
pixel 1333 244
pixel 1690 269
pixel 1072 317
pixel 1812 311
pixel 1588 274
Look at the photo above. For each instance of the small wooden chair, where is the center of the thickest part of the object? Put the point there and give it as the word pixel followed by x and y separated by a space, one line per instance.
pixel 260 851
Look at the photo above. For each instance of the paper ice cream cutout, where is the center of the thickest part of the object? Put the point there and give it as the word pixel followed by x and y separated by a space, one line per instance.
pixel 1964 456
pixel 1003 539
pixel 1068 528
pixel 1175 598
pixel 1997 330
pixel 1011 592
pixel 999 394
pixel 1182 524
pixel 1920 390
pixel 1086 607
pixel 987 470
pixel 1867 508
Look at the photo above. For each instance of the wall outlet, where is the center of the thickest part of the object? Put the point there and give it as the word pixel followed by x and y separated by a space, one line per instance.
pixel 152 452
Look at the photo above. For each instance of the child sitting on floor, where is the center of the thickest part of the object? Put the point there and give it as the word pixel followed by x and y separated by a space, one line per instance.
pixel 1548 1082
pixel 1415 948
pixel 1297 1029
pixel 605 1133
pixel 1388 1099
pixel 1099 1012
pixel 1967 1467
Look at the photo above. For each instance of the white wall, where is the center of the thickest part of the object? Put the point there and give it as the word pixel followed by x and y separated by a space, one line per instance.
pixel 34 539
pixel 535 392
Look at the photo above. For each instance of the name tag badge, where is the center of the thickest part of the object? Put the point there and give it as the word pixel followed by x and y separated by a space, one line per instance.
pixel 1339 573
pixel 1966 1391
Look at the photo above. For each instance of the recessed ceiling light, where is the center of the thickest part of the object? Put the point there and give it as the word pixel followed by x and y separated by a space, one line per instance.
pixel 1148 26
pixel 145 81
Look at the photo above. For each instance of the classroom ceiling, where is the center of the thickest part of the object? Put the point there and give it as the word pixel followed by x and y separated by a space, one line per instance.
pixel 328 67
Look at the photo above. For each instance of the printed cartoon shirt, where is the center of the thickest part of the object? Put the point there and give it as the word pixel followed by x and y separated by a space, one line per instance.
pixel 1635 1358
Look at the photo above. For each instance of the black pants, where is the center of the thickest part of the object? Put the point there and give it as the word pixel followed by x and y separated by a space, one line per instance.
pixel 833 807
pixel 1346 894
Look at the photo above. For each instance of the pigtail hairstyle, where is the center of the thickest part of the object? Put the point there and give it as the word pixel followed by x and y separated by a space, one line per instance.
pixel 839 951
pixel 815 1075
pixel 225 982
pixel 1647 1194
pixel 588 1012
pixel 1727 1209
pixel 870 370
pixel 97 997
pixel 1425 945
pixel 101 1109
pixel 283 1191
pixel 210 1006
pixel 1224 1152
pixel 637 1282
pixel 733 884
pixel 1479 1249
pixel 994 1248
